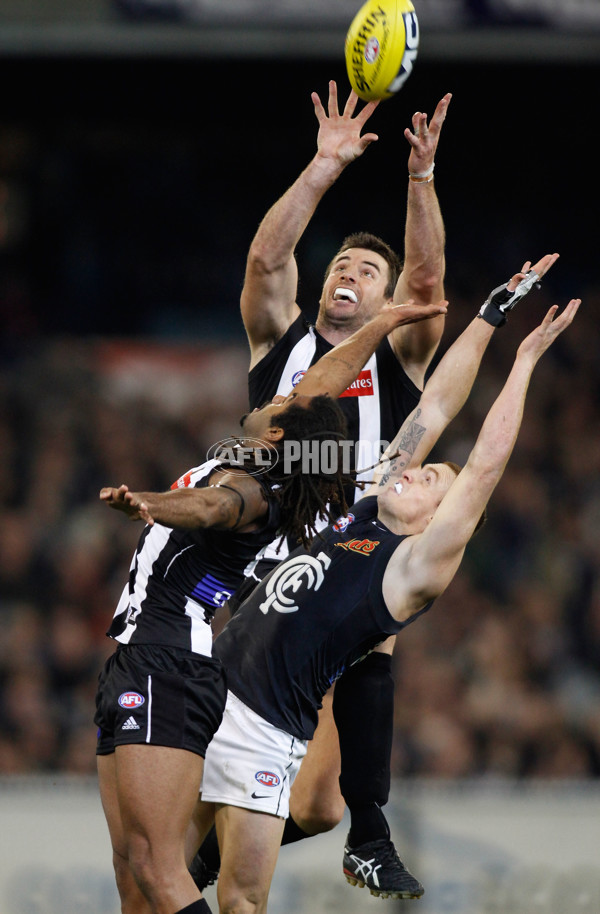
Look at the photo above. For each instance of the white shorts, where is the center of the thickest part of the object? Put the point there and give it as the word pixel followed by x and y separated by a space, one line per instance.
pixel 250 763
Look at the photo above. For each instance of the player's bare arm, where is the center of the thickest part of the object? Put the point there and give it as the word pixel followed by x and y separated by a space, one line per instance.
pixel 233 501
pixel 424 564
pixel 268 301
pixel 422 278
pixel 337 369
pixel 450 384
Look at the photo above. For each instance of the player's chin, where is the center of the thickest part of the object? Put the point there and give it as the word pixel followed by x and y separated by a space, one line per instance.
pixel 383 497
pixel 343 310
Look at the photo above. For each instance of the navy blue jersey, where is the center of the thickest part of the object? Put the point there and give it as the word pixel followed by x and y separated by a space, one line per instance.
pixel 314 615
pixel 179 577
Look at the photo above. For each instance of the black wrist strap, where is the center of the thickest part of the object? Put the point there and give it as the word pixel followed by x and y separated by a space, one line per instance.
pixel 500 301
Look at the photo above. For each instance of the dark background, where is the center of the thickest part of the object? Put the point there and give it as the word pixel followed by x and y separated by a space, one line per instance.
pixel 130 189
pixel 134 187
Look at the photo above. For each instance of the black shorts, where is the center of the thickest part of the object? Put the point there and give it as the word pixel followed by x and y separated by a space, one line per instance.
pixel 163 696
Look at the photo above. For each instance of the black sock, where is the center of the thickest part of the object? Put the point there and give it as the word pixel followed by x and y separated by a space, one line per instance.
pixel 292 832
pixel 363 708
pixel 367 823
pixel 196 907
pixel 209 851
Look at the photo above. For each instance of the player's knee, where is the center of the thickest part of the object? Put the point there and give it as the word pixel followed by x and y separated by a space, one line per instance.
pixel 123 877
pixel 234 900
pixel 320 815
pixel 148 876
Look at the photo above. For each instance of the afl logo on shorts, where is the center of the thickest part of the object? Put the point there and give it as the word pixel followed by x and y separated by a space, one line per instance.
pixel 131 700
pixel 342 523
pixel 298 376
pixel 267 778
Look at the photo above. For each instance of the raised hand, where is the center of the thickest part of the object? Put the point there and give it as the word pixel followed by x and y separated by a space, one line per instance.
pixel 540 269
pixel 551 327
pixel 424 137
pixel 339 136
pixel 409 313
pixel 502 299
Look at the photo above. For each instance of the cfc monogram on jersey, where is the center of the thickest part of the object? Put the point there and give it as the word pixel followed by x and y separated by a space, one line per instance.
pixel 311 618
pixel 305 572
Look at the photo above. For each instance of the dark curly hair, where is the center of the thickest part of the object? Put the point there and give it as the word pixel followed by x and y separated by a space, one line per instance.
pixel 305 497
pixel 372 243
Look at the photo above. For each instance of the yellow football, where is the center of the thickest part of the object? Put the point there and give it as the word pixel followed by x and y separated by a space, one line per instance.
pixel 381 48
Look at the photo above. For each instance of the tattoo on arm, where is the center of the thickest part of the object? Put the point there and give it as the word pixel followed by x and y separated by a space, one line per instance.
pixel 407 444
pixel 389 473
pixel 344 362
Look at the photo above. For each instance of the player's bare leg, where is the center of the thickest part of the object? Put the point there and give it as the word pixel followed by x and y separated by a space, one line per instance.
pixel 249 844
pixel 157 789
pixel 132 900
pixel 316 804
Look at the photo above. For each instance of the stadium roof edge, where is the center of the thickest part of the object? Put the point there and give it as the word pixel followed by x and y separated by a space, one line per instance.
pixel 127 40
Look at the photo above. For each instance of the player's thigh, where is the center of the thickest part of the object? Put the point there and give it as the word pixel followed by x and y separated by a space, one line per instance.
pixel 132 899
pixel 107 782
pixel 249 843
pixel 157 788
pixel 316 803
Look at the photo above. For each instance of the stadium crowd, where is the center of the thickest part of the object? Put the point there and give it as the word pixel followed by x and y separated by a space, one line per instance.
pixel 500 679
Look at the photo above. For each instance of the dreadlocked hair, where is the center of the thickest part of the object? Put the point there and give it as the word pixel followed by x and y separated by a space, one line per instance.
pixel 315 491
pixel 373 243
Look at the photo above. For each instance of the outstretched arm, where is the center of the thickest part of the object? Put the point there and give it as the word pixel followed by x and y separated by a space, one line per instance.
pixel 337 369
pixel 449 386
pixel 424 568
pixel 268 301
pixel 422 278
pixel 234 502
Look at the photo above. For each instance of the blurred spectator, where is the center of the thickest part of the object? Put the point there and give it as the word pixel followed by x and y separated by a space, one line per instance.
pixel 116 227
pixel 500 679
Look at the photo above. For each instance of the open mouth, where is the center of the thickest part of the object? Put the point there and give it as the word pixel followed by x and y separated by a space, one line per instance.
pixel 398 487
pixel 345 295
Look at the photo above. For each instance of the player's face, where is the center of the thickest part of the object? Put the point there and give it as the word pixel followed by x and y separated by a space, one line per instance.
pixel 354 289
pixel 413 499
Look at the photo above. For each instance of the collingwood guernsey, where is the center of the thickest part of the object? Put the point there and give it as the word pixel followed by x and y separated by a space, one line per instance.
pixel 179 577
pixel 375 405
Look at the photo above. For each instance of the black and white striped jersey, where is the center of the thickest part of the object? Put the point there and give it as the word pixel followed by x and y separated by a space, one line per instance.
pixel 375 405
pixel 178 577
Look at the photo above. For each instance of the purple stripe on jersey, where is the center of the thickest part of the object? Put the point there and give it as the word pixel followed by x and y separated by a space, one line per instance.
pixel 211 591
